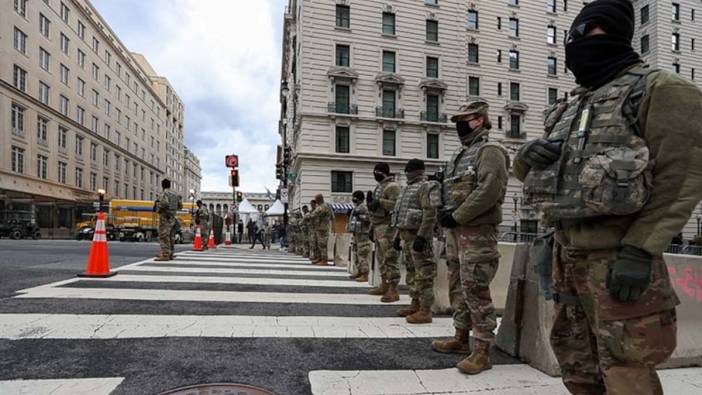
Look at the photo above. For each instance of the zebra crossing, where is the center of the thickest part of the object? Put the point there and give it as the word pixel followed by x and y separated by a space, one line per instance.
pixel 266 319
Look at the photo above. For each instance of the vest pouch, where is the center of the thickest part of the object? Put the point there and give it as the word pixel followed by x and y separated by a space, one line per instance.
pixel 615 181
pixel 463 186
pixel 413 219
pixel 541 185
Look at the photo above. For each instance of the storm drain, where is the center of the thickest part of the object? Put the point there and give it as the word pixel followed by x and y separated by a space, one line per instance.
pixel 218 389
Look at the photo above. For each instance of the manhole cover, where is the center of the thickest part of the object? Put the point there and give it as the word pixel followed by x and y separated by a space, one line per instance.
pixel 218 389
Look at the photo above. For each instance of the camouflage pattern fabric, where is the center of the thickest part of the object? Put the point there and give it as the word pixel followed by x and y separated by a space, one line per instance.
pixel 461 315
pixel 421 270
pixel 387 256
pixel 602 345
pixel 166 222
pixel 202 216
pixel 322 241
pixel 479 259
pixel 363 250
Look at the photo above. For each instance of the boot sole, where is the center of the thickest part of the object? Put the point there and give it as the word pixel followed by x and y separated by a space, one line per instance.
pixel 450 351
pixel 389 301
pixel 475 372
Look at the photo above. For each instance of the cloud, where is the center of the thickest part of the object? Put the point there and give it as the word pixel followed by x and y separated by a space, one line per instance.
pixel 223 58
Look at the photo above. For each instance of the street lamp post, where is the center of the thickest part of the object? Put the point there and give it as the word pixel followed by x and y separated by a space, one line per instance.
pixel 101 196
pixel 699 219
pixel 285 91
pixel 515 199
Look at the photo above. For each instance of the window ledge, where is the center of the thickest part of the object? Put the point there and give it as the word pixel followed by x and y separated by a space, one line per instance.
pixel 343 29
pixel 473 30
pixel 514 38
pixel 514 70
pixel 436 43
pixel 676 21
pixel 386 35
pixel 677 52
pixel 431 5
pixel 553 45
pixel 473 64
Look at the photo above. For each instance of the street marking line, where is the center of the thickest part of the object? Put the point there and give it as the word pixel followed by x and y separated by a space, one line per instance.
pixel 230 280
pixel 93 386
pixel 294 273
pixel 205 296
pixel 103 326
pixel 245 255
pixel 203 262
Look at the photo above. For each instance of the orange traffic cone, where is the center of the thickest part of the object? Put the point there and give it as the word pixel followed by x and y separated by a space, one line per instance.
pixel 99 258
pixel 211 240
pixel 197 244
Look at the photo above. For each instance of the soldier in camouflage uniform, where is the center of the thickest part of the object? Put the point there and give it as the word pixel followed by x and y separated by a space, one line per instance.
pixel 381 203
pixel 414 218
pixel 304 230
pixel 201 218
pixel 167 204
pixel 322 216
pixel 359 226
pixel 617 175
pixel 312 234
pixel 474 186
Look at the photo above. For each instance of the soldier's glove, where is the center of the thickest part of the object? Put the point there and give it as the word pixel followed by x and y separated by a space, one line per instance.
pixel 369 197
pixel 397 244
pixel 540 153
pixel 374 205
pixel 438 177
pixel 446 219
pixel 630 274
pixel 420 244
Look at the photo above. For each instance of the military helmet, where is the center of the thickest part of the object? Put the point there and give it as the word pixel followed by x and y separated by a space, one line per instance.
pixel 474 105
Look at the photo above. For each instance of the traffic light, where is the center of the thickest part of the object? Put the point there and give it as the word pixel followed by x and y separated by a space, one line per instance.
pixel 239 197
pixel 234 177
pixel 287 156
pixel 279 172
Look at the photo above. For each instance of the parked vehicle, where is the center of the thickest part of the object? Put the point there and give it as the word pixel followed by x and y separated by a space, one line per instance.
pixel 17 224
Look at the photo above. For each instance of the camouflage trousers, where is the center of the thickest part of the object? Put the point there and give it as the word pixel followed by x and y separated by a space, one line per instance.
pixel 363 249
pixel 303 246
pixel 322 240
pixel 166 235
pixel 312 244
pixel 477 250
pixel 604 346
pixel 421 269
pixel 461 314
pixel 387 256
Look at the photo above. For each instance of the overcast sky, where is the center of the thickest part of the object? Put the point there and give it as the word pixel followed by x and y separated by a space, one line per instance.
pixel 223 59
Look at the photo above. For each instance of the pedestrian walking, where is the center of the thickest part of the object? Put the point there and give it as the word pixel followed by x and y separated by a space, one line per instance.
pixel 167 204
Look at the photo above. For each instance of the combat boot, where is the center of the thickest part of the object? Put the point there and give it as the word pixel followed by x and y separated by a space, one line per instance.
pixel 363 278
pixel 409 310
pixel 163 257
pixel 391 295
pixel 423 316
pixel 380 289
pixel 478 360
pixel 355 275
pixel 459 344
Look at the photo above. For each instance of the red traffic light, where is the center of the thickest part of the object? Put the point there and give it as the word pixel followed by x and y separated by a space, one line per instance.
pixel 231 161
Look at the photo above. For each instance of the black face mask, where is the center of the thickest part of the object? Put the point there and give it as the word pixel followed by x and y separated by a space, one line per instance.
pixel 379 176
pixel 356 202
pixel 597 60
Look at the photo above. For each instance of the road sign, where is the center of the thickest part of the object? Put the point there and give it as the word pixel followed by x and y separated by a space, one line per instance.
pixel 283 195
pixel 231 161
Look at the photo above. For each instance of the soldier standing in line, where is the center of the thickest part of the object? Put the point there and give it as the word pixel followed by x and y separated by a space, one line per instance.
pixel 322 216
pixel 304 228
pixel 167 204
pixel 201 217
pixel 312 224
pixel 414 217
pixel 474 188
pixel 380 203
pixel 617 174
pixel 359 226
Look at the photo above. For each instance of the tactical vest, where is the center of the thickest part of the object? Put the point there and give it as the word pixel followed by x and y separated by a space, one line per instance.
pixel 356 225
pixel 377 193
pixel 408 208
pixel 460 174
pixel 604 168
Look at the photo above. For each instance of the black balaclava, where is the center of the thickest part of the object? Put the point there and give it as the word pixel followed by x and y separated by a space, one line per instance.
pixel 358 197
pixel 464 130
pixel 414 170
pixel 598 59
pixel 381 171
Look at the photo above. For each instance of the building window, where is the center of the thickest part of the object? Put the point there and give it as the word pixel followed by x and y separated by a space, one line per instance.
pixel 342 139
pixel 343 16
pixel 552 96
pixel 432 146
pixel 44 93
pixel 64 74
pixel 644 14
pixel 431 2
pixel 343 55
pixel 432 108
pixel 514 27
pixel 432 67
pixel 565 5
pixel 499 123
pixel 474 86
pixel 676 11
pixel 79 177
pixel 17 120
pixel 79 146
pixel 388 103
pixel 96 72
pixel 20 41
pixel 96 44
pixel 514 94
pixel 44 24
pixel 63 105
pixel 645 45
pixel 42 167
pixel 675 38
pixel 64 12
pixel 389 61
pixel 389 23
pixel 515 126
pixel 551 34
pixel 62 172
pixel 341 182
pixel 389 142
pixel 676 68
pixel 432 31
pixel 514 60
pixel 473 53
pixel 499 56
pixel 105 183
pixel 93 152
pixel 62 137
pixel 64 43
pixel 692 45
pixel 81 30
pixel 93 181
pixel 692 74
pixel 44 59
pixel 499 89
pixel 692 14
pixel 552 66
pixel 551 6
pixel 42 129
pixel 343 99
pixel 19 78
pixel 80 115
pixel 499 23
pixel 21 7
pixel 472 19
pixel 17 160
pixel 108 106
pixel 106 158
pixel 96 98
pixel 81 58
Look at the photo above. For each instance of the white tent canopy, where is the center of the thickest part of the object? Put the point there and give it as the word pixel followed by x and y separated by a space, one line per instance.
pixel 245 207
pixel 276 209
